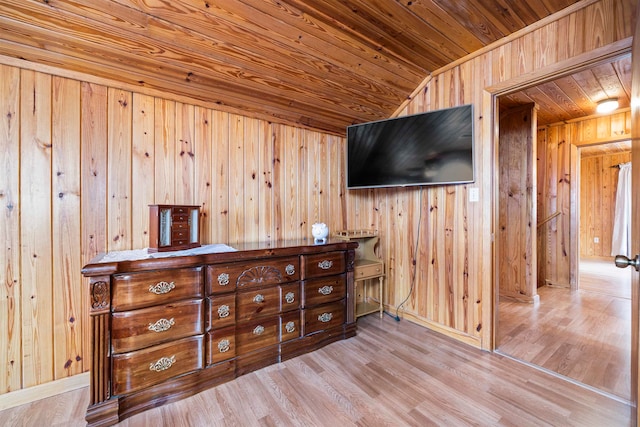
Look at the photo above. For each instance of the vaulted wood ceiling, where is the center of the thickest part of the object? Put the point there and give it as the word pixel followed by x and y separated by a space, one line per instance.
pixel 316 63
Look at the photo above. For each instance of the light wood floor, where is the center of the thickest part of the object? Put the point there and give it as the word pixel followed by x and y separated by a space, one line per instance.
pixel 584 335
pixel 390 374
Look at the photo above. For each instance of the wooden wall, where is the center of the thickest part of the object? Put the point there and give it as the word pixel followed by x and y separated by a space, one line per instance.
pixel 437 244
pixel 556 163
pixel 558 190
pixel 516 228
pixel 598 184
pixel 82 160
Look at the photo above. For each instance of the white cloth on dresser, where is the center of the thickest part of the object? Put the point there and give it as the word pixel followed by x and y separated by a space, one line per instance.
pixel 138 254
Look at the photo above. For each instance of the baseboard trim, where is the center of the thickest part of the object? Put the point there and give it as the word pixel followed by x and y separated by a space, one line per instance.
pixel 437 327
pixel 31 394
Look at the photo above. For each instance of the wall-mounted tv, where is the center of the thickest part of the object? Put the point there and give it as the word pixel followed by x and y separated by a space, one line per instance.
pixel 432 148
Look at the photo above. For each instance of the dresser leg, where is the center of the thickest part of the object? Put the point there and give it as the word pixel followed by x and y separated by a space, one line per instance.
pixel 102 414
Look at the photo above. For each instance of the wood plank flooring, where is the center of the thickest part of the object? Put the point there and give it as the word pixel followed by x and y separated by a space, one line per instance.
pixel 390 374
pixel 584 335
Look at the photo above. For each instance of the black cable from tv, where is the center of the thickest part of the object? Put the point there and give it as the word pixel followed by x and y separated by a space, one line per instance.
pixel 415 262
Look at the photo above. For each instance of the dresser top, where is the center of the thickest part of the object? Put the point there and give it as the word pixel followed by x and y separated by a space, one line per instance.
pixel 141 260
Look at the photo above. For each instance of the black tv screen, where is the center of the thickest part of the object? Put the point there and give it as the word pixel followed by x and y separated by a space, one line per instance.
pixel 432 148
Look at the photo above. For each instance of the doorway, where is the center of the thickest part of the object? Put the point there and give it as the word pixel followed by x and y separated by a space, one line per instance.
pixel 579 329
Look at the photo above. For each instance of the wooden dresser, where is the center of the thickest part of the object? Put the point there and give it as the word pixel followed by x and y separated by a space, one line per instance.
pixel 168 327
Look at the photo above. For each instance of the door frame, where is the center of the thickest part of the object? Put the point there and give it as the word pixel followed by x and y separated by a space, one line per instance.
pixel 564 68
pixel 635 220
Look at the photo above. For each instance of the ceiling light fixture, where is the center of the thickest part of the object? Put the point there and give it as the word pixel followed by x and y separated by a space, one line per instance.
pixel 607 105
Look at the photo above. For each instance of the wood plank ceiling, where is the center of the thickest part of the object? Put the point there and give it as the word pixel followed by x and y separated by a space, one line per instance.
pixel 313 63
pixel 577 95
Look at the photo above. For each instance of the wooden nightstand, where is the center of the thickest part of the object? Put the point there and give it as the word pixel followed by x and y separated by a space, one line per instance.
pixel 367 268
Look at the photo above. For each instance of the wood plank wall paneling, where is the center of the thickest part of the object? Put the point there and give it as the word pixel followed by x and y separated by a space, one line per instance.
pixel 93 199
pixel 142 163
pixel 10 282
pixel 557 165
pixel 435 243
pixel 554 198
pixel 429 299
pixel 598 183
pixel 81 164
pixel 36 252
pixel 516 233
pixel 66 237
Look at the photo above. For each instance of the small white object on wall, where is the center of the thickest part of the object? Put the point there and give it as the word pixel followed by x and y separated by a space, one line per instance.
pixel 474 194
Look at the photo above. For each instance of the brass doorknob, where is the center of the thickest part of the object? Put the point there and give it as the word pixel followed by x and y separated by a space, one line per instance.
pixel 622 261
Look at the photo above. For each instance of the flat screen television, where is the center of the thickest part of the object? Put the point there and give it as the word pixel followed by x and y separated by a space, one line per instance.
pixel 432 148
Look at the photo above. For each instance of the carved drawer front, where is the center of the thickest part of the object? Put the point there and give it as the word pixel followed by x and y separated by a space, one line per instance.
pixel 255 303
pixel 133 330
pixel 326 264
pixel 323 317
pixel 221 311
pixel 327 289
pixel 221 345
pixel 143 368
pixel 136 290
pixel 257 334
pixel 290 297
pixel 290 326
pixel 226 277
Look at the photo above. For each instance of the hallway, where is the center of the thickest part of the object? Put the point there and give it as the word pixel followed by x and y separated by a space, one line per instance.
pixel 583 335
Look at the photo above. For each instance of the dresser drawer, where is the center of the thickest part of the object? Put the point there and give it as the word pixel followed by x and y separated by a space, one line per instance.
pixel 255 303
pixel 323 290
pixel 251 336
pixel 179 218
pixel 366 268
pixel 181 210
pixel 221 345
pixel 180 235
pixel 326 264
pixel 136 290
pixel 290 326
pixel 226 277
pixel 143 368
pixel 290 298
pixel 221 311
pixel 323 317
pixel 136 329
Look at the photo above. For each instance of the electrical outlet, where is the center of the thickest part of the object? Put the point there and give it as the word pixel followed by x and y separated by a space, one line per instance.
pixel 596 240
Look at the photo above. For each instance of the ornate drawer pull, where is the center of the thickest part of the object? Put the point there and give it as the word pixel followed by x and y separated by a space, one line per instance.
pixel 325 265
pixel 223 279
pixel 161 325
pixel 325 290
pixel 290 297
pixel 162 364
pixel 223 311
pixel 162 288
pixel 258 330
pixel 290 327
pixel 290 269
pixel 258 298
pixel 325 317
pixel 224 346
